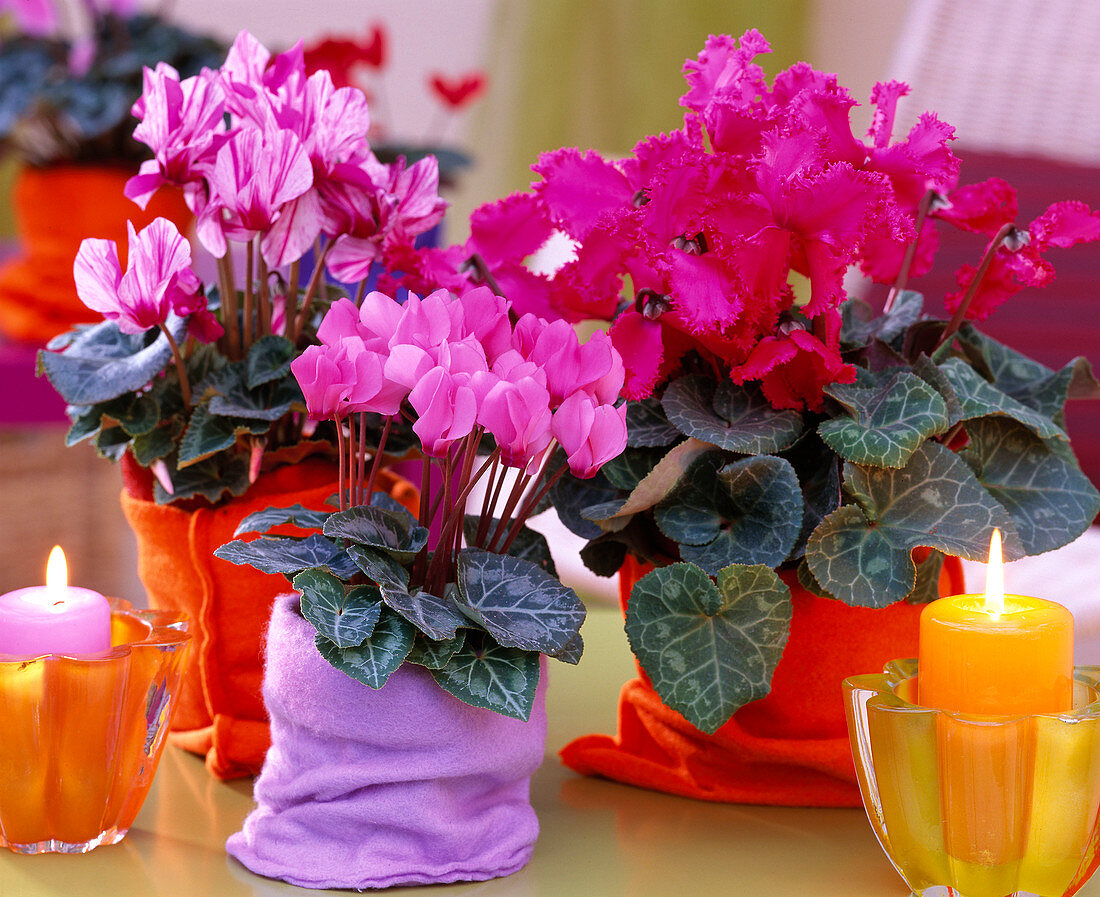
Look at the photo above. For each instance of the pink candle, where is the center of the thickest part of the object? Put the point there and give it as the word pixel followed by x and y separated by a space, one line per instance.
pixel 55 618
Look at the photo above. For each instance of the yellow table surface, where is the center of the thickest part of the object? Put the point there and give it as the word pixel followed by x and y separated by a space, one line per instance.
pixel 598 837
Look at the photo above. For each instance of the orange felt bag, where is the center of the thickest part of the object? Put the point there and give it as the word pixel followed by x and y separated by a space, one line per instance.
pixel 221 713
pixel 55 208
pixel 789 748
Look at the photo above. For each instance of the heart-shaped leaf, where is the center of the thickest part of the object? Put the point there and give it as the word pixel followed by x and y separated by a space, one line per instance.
pixel 647 426
pixel 268 359
pixel 927 586
pixel 207 434
pixel 818 471
pixel 487 675
pixel 980 398
pixel 519 604
pixel 1050 500
pixel 860 324
pixel 736 418
pixel 344 616
pixel 766 504
pixel 102 363
pixel 269 518
pixel 286 555
pixel 157 443
pixel 571 496
pixel 529 544
pixel 925 368
pixel 232 397
pixel 87 421
pixel 379 566
pixel 861 552
pixel 889 415
pixel 374 661
pixel 212 478
pixel 604 556
pixel 438 618
pixel 435 655
pixel 374 527
pixel 632 466
pixel 709 650
pixel 136 413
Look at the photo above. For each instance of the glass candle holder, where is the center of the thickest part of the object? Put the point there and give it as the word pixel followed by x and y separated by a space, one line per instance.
pixel 83 734
pixel 970 806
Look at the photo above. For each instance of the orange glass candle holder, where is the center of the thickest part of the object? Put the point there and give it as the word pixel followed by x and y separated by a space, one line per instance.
pixel 83 735
pixel 978 806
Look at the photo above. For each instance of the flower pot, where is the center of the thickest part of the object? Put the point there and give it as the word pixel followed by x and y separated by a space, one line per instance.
pixel 790 748
pixel 221 713
pixel 55 209
pixel 367 788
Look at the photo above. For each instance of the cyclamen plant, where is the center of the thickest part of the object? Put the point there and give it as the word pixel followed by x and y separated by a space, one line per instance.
pixel 195 383
pixel 509 407
pixel 775 439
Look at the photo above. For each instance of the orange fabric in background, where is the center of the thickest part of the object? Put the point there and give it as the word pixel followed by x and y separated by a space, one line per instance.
pixel 221 713
pixel 55 208
pixel 789 748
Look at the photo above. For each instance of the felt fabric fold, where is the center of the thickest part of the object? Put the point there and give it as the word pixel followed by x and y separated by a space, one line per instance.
pixel 221 712
pixel 789 748
pixel 55 209
pixel 400 786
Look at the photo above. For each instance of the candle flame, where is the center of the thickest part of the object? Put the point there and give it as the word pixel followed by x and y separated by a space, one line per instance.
pixel 995 578
pixel 57 575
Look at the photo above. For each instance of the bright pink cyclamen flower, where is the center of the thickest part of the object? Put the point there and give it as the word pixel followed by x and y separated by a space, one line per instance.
pixel 158 281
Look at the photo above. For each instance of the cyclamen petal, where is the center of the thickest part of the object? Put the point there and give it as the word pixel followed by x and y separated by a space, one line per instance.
pixel 294 231
pixel 97 274
pixel 591 434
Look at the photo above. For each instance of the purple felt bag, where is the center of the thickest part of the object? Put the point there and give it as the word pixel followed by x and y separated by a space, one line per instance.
pixel 400 786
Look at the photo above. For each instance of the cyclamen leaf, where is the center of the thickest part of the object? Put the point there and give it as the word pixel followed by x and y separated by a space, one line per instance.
pixel 346 617
pixel 233 398
pixel 434 654
pixel 374 661
pixel 1050 500
pixel 660 481
pixel 212 478
pixel 647 426
pixel 927 586
pixel 888 419
pixel 285 555
pixel 157 443
pixel 570 496
pixel 762 500
pixel 931 374
pixel 632 466
pixel 111 443
pixel 735 418
pixel 207 434
pixel 438 618
pixel 102 363
pixel 269 518
pixel 492 677
pixel 603 557
pixel 818 471
pixel 709 650
pixel 980 398
pixel 519 604
pixel 861 553
pixel 529 544
pixel 396 534
pixel 137 414
pixel 860 325
pixel 379 566
pixel 86 423
pixel 268 359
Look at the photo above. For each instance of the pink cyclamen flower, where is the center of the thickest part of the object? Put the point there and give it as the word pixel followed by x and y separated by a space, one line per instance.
pixel 1019 260
pixel 446 408
pixel 338 378
pixel 590 433
pixel 261 185
pixel 594 366
pixel 182 122
pixel 158 280
pixel 517 413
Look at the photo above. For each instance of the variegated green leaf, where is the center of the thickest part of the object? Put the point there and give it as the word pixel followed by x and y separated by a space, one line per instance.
pixel 487 675
pixel 980 398
pixel 394 533
pixel 647 426
pixel 345 616
pixel 735 418
pixel 269 518
pixel 709 650
pixel 374 661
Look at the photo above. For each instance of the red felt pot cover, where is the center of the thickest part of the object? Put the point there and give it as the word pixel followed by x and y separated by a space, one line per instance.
pixel 790 748
pixel 55 209
pixel 221 712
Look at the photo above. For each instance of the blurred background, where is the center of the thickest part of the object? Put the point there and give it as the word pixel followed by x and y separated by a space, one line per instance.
pixel 1017 81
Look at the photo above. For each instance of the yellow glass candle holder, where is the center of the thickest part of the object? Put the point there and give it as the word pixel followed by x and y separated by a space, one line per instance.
pixel 975 806
pixel 83 735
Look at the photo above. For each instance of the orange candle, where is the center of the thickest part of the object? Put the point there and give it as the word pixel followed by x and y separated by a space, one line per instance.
pixel 996 654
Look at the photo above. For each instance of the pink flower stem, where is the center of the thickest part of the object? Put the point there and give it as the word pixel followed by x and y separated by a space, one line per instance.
pixel 226 285
pixel 319 253
pixel 353 468
pixel 944 345
pixel 181 368
pixel 264 308
pixel 518 488
pixel 530 505
pixel 485 274
pixel 496 481
pixel 340 449
pixel 452 529
pixel 361 291
pixel 910 252
pixel 291 301
pixel 315 281
pixel 246 337
pixel 376 464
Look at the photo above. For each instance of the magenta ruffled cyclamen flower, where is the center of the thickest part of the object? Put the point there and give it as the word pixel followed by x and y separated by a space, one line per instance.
pixel 464 369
